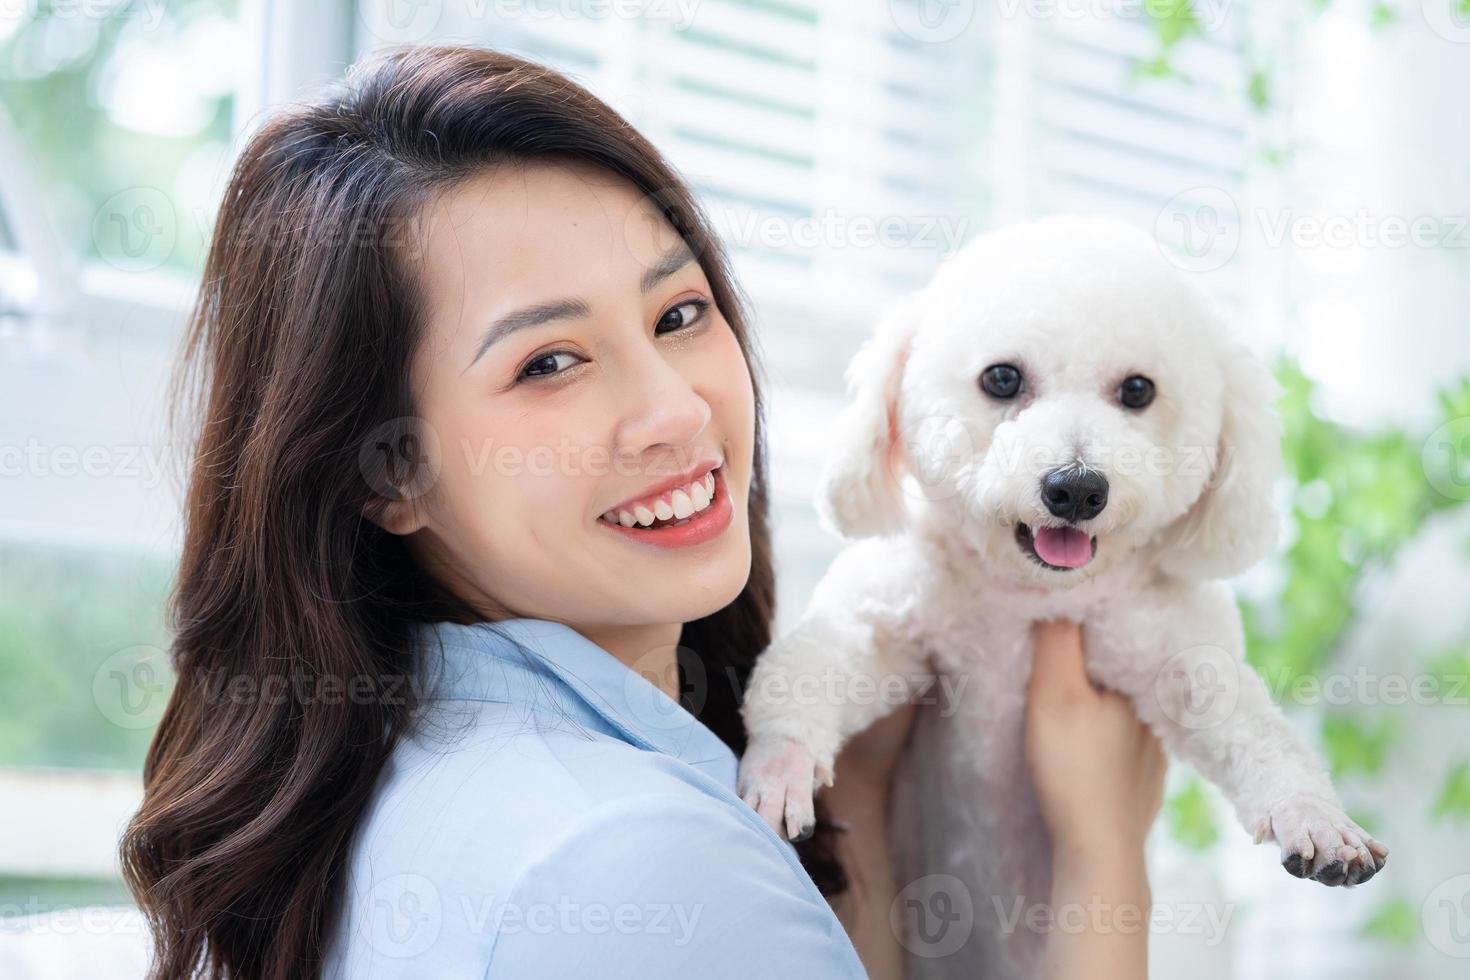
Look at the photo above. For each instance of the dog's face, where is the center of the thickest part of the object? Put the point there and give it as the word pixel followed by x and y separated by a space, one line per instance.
pixel 1064 397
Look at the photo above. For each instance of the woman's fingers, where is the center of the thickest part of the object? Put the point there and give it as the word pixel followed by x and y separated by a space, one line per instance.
pixel 1058 670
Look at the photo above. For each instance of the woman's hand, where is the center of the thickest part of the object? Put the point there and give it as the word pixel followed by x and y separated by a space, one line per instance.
pixel 1099 777
pixel 858 800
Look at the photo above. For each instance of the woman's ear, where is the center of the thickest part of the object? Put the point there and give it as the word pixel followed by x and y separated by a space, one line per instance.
pixel 400 461
pixel 399 516
pixel 860 493
pixel 1234 523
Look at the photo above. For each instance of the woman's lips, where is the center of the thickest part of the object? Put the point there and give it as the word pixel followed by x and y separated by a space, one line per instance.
pixel 695 529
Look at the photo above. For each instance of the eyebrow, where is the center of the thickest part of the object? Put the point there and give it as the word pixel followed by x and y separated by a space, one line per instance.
pixel 572 308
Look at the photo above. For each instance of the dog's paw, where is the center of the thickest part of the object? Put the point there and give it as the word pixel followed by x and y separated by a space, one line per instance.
pixel 1319 841
pixel 778 779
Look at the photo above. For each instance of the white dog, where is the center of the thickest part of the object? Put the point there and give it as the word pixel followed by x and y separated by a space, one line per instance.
pixel 1057 427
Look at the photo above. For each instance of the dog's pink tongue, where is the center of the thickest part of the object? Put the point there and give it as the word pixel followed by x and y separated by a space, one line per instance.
pixel 1064 546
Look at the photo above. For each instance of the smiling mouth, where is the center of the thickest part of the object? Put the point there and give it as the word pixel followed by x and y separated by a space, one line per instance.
pixel 672 508
pixel 1059 548
pixel 689 515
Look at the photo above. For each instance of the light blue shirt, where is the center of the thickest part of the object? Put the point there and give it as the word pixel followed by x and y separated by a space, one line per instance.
pixel 555 814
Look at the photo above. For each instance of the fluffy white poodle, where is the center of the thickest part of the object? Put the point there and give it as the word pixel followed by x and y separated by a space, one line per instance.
pixel 1057 427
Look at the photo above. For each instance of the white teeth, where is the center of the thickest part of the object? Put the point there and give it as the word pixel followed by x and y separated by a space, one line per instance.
pixel 699 494
pixel 681 504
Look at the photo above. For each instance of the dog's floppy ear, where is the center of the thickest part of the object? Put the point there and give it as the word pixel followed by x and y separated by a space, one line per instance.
pixel 860 493
pixel 1234 523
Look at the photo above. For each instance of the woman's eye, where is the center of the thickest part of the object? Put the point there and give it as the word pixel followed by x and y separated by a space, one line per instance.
pixel 548 363
pixel 1001 381
pixel 1136 391
pixel 681 316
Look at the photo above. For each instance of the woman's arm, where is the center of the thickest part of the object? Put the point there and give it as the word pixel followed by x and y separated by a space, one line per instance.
pixel 1099 778
pixel 859 800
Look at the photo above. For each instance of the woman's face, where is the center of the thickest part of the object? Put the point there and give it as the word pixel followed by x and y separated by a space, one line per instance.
pixel 575 378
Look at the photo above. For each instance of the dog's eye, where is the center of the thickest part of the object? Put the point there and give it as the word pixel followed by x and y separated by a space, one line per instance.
pixel 1001 381
pixel 1136 391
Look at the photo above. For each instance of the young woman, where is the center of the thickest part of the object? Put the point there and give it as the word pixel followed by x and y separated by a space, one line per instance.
pixel 476 564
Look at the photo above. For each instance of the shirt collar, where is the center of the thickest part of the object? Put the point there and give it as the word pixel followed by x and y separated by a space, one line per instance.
pixel 551 666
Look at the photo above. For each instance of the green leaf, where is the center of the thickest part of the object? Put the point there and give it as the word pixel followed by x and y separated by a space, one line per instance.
pixel 1382 15
pixel 1357 747
pixel 1258 89
pixel 1454 796
pixel 1396 922
pixel 1191 818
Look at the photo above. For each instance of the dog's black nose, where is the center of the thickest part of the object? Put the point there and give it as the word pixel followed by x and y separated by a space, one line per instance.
pixel 1074 494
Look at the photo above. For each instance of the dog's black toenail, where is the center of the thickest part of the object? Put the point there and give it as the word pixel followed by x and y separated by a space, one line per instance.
pixel 1296 866
pixel 1334 874
pixel 806 831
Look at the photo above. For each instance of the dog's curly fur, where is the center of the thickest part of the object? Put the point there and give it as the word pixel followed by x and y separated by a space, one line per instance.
pixel 932 476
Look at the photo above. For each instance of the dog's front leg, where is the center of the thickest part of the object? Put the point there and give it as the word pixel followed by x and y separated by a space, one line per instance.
pixel 1212 709
pixel 850 660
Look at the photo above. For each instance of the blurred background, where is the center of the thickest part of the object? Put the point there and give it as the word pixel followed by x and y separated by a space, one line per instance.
pixel 1309 160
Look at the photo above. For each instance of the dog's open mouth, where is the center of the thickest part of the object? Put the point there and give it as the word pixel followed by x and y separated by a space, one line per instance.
pixel 1062 548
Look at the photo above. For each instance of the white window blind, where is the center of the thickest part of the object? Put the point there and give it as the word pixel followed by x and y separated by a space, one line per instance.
pixel 1082 130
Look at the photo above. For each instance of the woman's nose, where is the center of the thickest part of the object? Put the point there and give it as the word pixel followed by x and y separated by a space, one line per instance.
pixel 663 407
